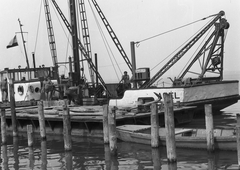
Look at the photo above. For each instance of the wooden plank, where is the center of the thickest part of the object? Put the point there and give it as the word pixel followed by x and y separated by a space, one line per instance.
pixel 183 131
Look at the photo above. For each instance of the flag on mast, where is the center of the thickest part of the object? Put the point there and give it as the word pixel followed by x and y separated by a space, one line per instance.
pixel 13 42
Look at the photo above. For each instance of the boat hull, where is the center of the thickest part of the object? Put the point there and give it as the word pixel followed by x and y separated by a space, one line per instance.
pixel 220 95
pixel 227 142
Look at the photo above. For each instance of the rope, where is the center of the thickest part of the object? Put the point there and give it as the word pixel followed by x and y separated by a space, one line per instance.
pixel 38 27
pixel 183 42
pixel 138 42
pixel 105 43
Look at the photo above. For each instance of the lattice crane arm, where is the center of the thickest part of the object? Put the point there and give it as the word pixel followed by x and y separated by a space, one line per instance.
pixel 180 53
pixel 81 47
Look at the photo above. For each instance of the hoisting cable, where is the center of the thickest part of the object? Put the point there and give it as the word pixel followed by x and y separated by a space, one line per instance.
pixel 106 43
pixel 138 42
pixel 60 22
pixel 38 27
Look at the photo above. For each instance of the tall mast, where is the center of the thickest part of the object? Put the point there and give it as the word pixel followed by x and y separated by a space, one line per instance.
pixel 25 51
pixel 76 78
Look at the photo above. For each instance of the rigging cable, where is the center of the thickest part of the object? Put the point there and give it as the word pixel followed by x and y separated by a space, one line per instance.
pixel 105 43
pixel 67 36
pixel 38 27
pixel 138 42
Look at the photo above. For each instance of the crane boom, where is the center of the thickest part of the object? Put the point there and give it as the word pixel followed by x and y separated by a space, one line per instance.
pixel 51 36
pixel 215 51
pixel 113 35
pixel 81 47
pixel 180 53
pixel 85 34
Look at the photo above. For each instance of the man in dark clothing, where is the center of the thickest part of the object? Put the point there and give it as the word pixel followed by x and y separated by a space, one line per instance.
pixel 126 81
pixel 4 89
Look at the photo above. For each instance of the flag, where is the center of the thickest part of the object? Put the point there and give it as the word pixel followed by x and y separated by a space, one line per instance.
pixel 13 42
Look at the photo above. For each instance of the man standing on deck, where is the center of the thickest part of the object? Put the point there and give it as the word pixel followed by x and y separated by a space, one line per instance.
pixel 126 81
pixel 4 90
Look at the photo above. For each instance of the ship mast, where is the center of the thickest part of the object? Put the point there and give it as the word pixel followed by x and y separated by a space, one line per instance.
pixel 75 42
pixel 25 51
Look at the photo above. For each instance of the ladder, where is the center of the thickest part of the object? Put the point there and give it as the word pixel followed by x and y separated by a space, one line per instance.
pixel 50 31
pixel 113 35
pixel 86 36
pixel 81 47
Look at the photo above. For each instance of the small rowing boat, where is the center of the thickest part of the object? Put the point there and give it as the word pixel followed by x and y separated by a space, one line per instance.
pixel 225 139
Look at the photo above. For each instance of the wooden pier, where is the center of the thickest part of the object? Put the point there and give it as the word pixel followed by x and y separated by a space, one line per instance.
pixel 85 120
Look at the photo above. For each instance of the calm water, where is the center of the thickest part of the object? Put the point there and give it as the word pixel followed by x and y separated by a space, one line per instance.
pixel 90 153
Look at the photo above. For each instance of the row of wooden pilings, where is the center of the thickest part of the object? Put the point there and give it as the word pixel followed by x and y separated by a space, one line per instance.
pixel 110 134
pixel 109 127
pixel 41 118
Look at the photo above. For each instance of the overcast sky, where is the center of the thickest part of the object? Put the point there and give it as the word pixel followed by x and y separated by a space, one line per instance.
pixel 131 20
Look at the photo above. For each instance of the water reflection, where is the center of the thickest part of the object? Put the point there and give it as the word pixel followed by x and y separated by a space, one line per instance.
pixel 68 160
pixel 211 161
pixel 44 154
pixel 107 156
pixel 92 154
pixel 15 152
pixel 31 157
pixel 156 158
pixel 4 157
pixel 172 166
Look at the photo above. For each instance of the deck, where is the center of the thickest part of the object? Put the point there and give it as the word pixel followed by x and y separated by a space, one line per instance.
pixel 85 120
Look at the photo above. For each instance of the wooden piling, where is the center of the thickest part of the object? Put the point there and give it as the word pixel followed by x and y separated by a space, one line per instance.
pixel 41 119
pixel 154 126
pixel 105 125
pixel 209 127
pixel 238 138
pixel 67 129
pixel 112 131
pixel 169 125
pixel 30 135
pixel 13 108
pixel 3 126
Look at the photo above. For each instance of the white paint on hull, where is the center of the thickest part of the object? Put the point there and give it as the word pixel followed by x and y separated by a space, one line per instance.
pixel 182 94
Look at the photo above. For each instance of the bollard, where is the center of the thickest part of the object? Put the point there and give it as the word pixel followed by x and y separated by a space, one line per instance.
pixel 67 129
pixel 154 126
pixel 41 119
pixel 209 127
pixel 13 108
pixel 30 135
pixel 3 126
pixel 112 131
pixel 105 125
pixel 169 125
pixel 238 138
